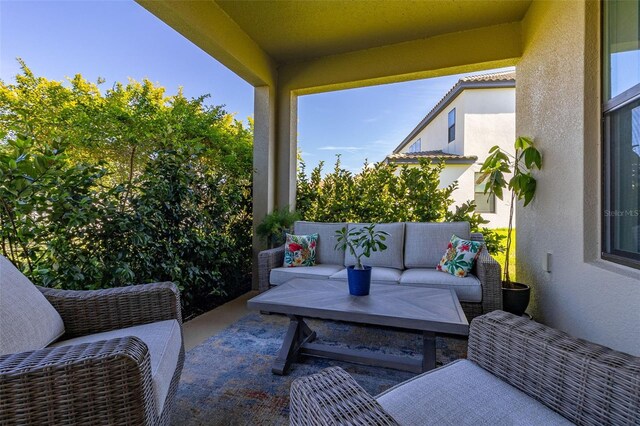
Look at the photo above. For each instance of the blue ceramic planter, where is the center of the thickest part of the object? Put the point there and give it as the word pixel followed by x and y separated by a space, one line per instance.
pixel 359 280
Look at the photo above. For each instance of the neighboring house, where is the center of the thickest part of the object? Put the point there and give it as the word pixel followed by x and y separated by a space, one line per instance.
pixel 476 114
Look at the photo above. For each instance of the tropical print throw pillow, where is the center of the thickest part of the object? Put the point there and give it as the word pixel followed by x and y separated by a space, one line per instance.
pixel 460 255
pixel 300 250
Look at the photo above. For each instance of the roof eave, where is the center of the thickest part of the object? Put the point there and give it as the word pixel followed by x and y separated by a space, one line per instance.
pixel 435 159
pixel 449 97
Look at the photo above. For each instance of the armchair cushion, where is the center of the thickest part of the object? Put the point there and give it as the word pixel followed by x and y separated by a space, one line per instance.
pixel 164 341
pixel 462 393
pixel 27 320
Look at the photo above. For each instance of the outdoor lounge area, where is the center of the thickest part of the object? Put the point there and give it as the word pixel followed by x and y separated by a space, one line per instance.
pixel 422 345
pixel 125 361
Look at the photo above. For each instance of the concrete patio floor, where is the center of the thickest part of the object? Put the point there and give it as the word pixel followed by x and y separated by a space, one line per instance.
pixel 206 325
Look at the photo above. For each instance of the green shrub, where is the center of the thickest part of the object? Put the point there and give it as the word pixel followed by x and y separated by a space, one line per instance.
pixel 274 226
pixel 129 187
pixel 384 193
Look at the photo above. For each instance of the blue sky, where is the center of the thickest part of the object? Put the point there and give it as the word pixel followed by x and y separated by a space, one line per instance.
pixel 116 40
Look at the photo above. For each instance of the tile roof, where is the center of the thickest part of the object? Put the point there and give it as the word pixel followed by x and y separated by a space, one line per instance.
pixel 413 157
pixel 496 76
pixel 478 81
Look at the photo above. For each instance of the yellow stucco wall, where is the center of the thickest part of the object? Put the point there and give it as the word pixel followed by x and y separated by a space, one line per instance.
pixel 557 102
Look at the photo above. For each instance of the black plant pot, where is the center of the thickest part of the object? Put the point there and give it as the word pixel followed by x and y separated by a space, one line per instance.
pixel 515 299
pixel 359 280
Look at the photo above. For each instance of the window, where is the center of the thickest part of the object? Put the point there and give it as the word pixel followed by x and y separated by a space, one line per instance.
pixel 452 125
pixel 621 133
pixel 486 203
pixel 416 146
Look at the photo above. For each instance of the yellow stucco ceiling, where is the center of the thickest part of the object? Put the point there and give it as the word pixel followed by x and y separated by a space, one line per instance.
pixel 289 31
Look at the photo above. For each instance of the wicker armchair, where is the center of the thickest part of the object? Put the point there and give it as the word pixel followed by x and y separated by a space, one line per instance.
pixel 99 382
pixel 548 373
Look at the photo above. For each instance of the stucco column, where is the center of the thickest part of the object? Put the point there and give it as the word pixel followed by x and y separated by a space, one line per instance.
pixel 264 164
pixel 287 144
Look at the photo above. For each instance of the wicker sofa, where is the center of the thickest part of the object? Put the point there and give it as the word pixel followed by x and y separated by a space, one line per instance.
pixel 517 372
pixel 88 357
pixel 414 249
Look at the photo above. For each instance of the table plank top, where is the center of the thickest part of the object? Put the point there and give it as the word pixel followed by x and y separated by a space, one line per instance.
pixel 414 308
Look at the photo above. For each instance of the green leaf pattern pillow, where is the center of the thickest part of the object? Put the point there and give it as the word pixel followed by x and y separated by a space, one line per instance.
pixel 460 256
pixel 300 250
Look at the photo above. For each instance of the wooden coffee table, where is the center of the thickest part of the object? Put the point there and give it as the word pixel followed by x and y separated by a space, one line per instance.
pixel 429 310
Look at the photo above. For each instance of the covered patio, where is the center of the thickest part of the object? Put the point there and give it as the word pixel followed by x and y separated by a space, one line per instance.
pixel 128 344
pixel 289 49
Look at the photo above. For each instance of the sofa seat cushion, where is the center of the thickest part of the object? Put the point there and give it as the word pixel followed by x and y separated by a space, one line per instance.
pixel 379 275
pixel 164 340
pixel 392 257
pixel 326 249
pixel 27 320
pixel 462 393
pixel 425 242
pixel 468 289
pixel 284 274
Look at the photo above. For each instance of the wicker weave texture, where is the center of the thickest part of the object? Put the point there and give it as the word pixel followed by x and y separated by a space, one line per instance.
pixel 332 397
pixel 70 385
pixel 106 382
pixel 89 312
pixel 487 269
pixel 268 260
pixel 471 310
pixel 587 383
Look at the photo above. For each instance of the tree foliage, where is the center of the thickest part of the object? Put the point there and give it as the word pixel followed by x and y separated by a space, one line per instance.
pixel 130 186
pixel 384 192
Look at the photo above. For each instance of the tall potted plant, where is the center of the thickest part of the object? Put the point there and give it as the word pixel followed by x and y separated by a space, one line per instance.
pixel 515 296
pixel 360 242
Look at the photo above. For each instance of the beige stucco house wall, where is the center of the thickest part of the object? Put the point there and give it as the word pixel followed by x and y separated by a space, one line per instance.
pixel 557 102
pixel 484 117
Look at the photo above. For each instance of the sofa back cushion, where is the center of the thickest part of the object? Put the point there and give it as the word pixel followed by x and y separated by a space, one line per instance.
pixel 391 257
pixel 325 248
pixel 426 242
pixel 27 319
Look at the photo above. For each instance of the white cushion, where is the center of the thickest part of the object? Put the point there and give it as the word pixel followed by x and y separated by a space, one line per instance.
pixel 468 289
pixel 462 393
pixel 284 274
pixel 164 340
pixel 392 257
pixel 325 250
pixel 379 275
pixel 27 320
pixel 425 243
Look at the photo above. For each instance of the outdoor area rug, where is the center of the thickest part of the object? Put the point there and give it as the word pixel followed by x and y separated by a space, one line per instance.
pixel 227 379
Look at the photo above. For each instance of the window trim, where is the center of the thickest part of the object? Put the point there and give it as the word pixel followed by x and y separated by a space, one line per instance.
pixel 451 126
pixel 491 196
pixel 610 106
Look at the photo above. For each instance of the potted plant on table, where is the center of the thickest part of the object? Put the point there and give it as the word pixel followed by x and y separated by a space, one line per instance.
pixel 360 242
pixel 515 296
